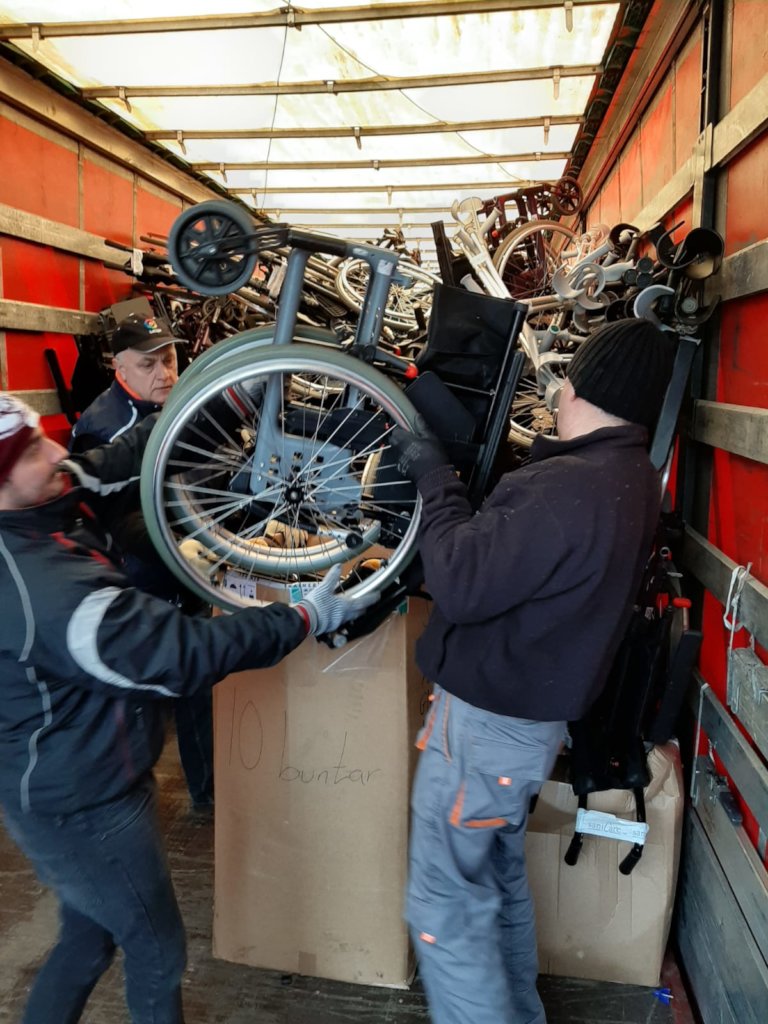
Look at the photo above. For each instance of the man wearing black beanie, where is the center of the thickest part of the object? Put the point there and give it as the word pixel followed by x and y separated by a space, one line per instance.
pixel 532 595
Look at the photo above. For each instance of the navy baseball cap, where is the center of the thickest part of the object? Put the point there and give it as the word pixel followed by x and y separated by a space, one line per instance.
pixel 141 333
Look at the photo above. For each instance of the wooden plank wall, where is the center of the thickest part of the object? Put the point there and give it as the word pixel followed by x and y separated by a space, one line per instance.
pixel 723 899
pixel 666 138
pixel 738 513
pixel 85 196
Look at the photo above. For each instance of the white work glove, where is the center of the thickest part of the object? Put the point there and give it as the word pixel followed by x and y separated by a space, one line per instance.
pixel 325 610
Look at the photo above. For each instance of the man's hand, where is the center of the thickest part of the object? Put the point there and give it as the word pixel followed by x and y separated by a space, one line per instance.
pixel 419 451
pixel 324 610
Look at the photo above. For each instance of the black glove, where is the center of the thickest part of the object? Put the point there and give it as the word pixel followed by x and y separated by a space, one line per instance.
pixel 419 451
pixel 117 462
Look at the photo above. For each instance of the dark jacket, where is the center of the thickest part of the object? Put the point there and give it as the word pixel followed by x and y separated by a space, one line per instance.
pixel 109 416
pixel 87 662
pixel 113 413
pixel 533 593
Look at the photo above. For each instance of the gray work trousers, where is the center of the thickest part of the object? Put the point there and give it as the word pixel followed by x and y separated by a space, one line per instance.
pixel 468 903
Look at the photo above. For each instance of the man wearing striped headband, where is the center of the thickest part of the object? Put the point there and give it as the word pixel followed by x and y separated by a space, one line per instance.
pixel 90 666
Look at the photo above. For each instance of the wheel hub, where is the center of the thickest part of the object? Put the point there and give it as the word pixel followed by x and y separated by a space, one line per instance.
pixel 294 493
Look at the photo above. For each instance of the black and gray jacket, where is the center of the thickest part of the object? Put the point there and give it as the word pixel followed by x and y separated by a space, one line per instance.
pixel 110 416
pixel 87 662
pixel 533 593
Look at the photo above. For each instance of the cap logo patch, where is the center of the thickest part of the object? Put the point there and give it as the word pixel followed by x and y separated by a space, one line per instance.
pixel 152 326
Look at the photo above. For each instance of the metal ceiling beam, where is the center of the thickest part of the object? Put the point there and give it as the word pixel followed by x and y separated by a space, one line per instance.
pixel 297 211
pixel 376 83
pixel 346 165
pixel 505 186
pixel 426 241
pixel 364 232
pixel 364 225
pixel 284 16
pixel 364 131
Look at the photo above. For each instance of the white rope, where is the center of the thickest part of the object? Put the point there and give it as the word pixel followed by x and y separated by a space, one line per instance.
pixel 739 577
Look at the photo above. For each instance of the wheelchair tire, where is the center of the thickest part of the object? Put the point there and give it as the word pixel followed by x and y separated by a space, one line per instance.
pixel 246 341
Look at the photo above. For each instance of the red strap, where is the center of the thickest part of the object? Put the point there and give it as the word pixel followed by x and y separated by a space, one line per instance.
pixel 304 614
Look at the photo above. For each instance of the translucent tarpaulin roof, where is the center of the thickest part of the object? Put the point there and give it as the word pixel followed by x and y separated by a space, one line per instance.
pixel 365 112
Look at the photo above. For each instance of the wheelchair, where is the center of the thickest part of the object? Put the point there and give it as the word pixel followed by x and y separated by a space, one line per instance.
pixel 270 461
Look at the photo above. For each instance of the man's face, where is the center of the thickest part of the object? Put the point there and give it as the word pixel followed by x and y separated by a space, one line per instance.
pixel 35 477
pixel 149 375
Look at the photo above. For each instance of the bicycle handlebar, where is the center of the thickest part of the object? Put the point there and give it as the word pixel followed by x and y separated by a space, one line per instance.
pixel 317 243
pixel 275 236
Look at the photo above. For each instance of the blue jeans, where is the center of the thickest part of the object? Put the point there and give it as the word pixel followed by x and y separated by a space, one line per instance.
pixel 194 735
pixel 107 865
pixel 468 904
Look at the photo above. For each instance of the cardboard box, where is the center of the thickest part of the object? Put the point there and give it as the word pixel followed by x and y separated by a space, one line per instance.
pixel 314 761
pixel 592 921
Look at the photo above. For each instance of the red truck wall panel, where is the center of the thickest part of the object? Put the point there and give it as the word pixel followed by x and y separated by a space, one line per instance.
pixel 631 180
pixel 154 214
pixel 57 178
pixel 667 134
pixel 750 46
pixel 738 524
pixel 657 144
pixel 39 176
pixel 687 85
pixel 107 210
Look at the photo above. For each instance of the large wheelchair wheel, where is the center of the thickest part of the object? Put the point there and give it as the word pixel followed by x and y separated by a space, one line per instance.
pixel 250 479
pixel 208 247
pixel 246 341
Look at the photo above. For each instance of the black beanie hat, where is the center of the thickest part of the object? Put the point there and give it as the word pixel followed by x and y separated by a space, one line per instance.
pixel 624 369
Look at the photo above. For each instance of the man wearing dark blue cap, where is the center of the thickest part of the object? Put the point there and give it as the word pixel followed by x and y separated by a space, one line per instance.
pixel 146 368
pixel 145 364
pixel 532 595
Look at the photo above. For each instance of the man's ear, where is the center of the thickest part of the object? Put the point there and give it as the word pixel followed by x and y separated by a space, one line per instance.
pixel 566 393
pixel 118 368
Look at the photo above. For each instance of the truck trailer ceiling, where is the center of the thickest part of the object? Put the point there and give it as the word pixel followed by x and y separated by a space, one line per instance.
pixel 349 117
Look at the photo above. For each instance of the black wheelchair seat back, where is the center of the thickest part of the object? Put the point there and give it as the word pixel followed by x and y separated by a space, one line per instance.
pixel 469 371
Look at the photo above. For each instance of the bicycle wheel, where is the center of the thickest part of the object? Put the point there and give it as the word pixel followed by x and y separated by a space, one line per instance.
pixel 274 481
pixel 208 247
pixel 352 282
pixel 529 415
pixel 567 196
pixel 527 258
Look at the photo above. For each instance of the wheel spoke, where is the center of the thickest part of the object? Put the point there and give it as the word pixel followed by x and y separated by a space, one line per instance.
pixel 228 462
